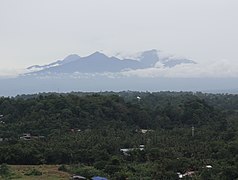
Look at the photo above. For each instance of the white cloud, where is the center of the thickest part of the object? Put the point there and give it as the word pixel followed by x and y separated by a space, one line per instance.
pixel 10 73
pixel 218 69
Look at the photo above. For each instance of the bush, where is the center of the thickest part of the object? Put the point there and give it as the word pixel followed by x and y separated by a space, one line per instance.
pixel 33 172
pixel 63 168
pixel 100 165
pixel 4 170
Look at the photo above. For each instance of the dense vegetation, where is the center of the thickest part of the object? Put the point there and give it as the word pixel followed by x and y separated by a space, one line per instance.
pixel 87 131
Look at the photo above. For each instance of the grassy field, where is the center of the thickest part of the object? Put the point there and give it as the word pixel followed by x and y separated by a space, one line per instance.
pixel 49 172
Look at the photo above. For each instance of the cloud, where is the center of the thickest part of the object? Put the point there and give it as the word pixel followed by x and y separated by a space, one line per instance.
pixel 10 73
pixel 218 69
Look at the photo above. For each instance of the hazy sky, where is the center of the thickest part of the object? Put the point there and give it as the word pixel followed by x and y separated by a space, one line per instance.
pixel 41 31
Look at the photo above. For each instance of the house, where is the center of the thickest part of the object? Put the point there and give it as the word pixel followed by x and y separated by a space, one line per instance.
pixel 98 178
pixel 77 177
pixel 126 150
pixel 209 166
pixel 26 137
pixel 186 174
pixel 144 131
pixel 180 176
pixel 75 130
pixel 189 173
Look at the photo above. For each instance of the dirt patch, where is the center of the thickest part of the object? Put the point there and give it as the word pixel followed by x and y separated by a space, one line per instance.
pixel 49 172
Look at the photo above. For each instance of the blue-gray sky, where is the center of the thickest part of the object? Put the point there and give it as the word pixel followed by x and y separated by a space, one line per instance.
pixel 41 31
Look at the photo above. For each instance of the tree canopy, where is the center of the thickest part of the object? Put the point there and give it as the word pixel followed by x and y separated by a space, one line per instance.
pixel 88 130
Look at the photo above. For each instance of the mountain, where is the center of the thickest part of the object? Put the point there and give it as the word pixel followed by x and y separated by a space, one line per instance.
pixel 99 63
pixel 149 58
pixel 60 76
pixel 96 62
pixel 68 59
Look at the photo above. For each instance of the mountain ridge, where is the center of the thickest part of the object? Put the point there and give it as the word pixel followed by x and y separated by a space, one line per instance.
pixel 98 62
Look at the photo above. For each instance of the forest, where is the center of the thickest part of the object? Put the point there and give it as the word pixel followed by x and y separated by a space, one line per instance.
pixel 124 135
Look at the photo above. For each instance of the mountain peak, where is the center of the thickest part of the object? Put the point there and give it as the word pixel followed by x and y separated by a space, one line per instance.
pixel 70 58
pixel 98 54
pixel 150 57
pixel 151 51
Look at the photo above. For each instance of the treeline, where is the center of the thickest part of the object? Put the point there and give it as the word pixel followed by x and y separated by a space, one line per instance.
pixel 90 129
